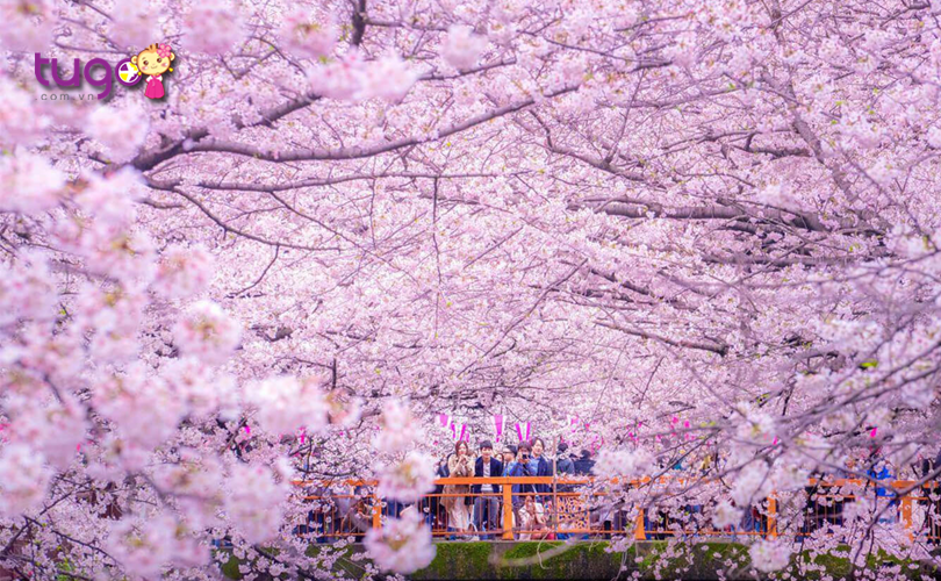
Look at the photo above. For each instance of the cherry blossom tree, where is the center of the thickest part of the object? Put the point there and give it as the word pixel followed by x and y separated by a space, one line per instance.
pixel 703 228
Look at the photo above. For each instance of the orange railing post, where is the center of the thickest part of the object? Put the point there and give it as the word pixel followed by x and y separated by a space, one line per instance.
pixel 376 512
pixel 507 511
pixel 772 516
pixel 907 516
pixel 639 533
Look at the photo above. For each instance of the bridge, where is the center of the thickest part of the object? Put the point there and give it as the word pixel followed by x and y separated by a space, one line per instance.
pixel 579 508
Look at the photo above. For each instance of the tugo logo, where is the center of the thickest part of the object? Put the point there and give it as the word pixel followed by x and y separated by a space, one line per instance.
pixel 153 61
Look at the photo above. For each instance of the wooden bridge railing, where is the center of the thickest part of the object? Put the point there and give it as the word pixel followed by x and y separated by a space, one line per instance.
pixel 560 494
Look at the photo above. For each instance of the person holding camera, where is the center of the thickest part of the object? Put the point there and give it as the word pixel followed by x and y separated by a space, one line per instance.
pixel 522 466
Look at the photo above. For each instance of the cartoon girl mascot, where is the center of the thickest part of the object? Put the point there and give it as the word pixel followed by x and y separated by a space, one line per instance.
pixel 154 61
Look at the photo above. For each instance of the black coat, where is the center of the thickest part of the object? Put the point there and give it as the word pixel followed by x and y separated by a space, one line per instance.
pixel 544 468
pixel 496 469
pixel 584 466
pixel 442 472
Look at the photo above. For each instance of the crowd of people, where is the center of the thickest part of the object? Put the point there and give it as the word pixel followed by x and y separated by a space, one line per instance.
pixel 478 508
pixel 475 510
pixel 464 511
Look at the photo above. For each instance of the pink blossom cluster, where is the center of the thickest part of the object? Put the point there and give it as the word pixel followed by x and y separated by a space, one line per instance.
pixel 254 499
pixel 286 404
pixel 624 463
pixel 307 35
pixel 207 332
pixel 183 272
pixel 122 130
pixel 399 428
pixel 408 480
pixel 29 183
pixel 25 479
pixel 462 48
pixel 351 78
pixel 213 27
pixel 403 545
pixel 769 556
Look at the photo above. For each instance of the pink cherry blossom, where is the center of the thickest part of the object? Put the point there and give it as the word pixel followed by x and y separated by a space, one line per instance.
pixel 286 404
pixel 183 271
pixel 306 34
pixel 612 463
pixel 462 48
pixel 408 480
pixel 753 484
pixel 403 545
pixel 20 121
pixel 146 546
pixel 934 136
pixel 24 479
pixel 388 78
pixel 204 389
pixel 399 428
pixel 213 27
pixel 26 25
pixel 54 429
pixel 29 183
pixel 253 505
pixel 58 357
pixel 121 130
pixel 133 24
pixel 207 332
pixel 108 248
pixel 140 404
pixel 726 515
pixel 112 318
pixel 341 79
pixel 769 556
pixel 27 290
pixel 112 199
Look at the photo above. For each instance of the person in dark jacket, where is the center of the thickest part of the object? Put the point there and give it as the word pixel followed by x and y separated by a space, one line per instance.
pixel 584 464
pixel 541 465
pixel 436 517
pixel 486 501
pixel 564 466
pixel 563 462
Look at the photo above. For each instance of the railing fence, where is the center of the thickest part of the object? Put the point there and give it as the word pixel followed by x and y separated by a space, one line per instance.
pixel 576 508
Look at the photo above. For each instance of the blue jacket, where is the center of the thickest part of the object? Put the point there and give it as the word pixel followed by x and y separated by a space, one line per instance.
pixel 883 474
pixel 496 469
pixel 517 469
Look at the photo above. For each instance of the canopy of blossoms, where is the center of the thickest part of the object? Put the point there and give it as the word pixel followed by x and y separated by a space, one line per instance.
pixel 695 226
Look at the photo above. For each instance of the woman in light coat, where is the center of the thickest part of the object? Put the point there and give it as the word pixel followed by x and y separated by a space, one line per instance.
pixel 532 521
pixel 460 465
